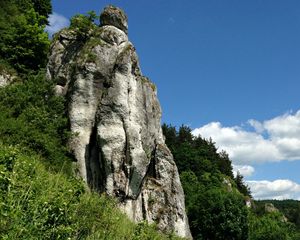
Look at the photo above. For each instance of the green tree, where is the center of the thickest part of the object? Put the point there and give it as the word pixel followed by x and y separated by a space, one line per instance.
pixel 270 226
pixel 185 134
pixel 43 8
pixel 225 165
pixel 32 116
pixel 242 187
pixel 213 212
pixel 23 42
pixel 195 153
pixel 83 24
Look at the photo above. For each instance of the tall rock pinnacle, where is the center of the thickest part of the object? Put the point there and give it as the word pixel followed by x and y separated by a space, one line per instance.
pixel 115 17
pixel 115 117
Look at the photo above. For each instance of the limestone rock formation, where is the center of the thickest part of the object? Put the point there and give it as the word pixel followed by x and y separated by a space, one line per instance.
pixel 6 78
pixel 115 117
pixel 115 17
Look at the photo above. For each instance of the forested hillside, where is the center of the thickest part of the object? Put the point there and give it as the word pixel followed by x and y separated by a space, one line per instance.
pixel 216 200
pixel 289 208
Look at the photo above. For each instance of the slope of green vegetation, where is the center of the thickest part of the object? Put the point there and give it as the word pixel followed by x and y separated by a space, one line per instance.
pixel 290 209
pixel 38 204
pixel 215 208
pixel 215 199
pixel 33 117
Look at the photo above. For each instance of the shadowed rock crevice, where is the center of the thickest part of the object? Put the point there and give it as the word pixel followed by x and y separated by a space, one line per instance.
pixel 115 116
pixel 94 164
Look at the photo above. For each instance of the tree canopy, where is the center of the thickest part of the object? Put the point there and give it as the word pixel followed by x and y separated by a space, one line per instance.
pixel 215 208
pixel 23 42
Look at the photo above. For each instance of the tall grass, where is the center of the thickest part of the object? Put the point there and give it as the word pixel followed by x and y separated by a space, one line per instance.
pixel 39 204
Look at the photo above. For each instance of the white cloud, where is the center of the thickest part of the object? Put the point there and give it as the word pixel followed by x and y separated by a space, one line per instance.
pixel 278 189
pixel 245 170
pixel 256 125
pixel 56 22
pixel 273 140
pixel 285 126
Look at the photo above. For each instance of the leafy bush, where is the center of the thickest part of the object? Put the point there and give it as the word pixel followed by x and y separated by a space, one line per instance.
pixel 32 116
pixel 23 42
pixel 271 226
pixel 84 25
pixel 213 211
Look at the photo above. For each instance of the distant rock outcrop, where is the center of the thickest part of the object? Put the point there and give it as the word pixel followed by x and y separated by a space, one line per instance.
pixel 6 78
pixel 115 117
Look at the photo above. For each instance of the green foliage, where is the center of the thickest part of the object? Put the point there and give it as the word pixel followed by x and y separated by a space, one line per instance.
pixel 271 226
pixel 241 186
pixel 23 42
pixel 215 210
pixel 92 16
pixel 84 25
pixel 194 153
pixel 32 116
pixel 289 208
pixel 37 204
pixel 43 8
pixel 7 69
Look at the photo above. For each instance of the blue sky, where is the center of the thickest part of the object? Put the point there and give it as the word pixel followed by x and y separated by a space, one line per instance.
pixel 229 70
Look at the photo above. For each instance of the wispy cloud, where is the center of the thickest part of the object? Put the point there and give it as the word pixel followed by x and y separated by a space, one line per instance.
pixel 278 189
pixel 56 22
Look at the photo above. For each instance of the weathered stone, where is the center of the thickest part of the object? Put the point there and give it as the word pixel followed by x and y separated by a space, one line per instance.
pixel 6 78
pixel 115 117
pixel 115 17
pixel 269 208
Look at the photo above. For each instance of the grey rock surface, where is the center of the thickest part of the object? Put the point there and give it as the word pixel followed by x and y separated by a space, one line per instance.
pixel 115 117
pixel 6 78
pixel 115 17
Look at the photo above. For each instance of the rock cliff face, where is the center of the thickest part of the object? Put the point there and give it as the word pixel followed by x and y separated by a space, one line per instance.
pixel 115 117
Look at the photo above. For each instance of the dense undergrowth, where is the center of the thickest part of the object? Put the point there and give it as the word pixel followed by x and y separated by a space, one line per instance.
pixel 38 204
pixel 216 199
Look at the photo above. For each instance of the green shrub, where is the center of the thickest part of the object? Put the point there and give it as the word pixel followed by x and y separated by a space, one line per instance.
pixel 32 116
pixel 270 226
pixel 23 42
pixel 83 25
pixel 213 211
